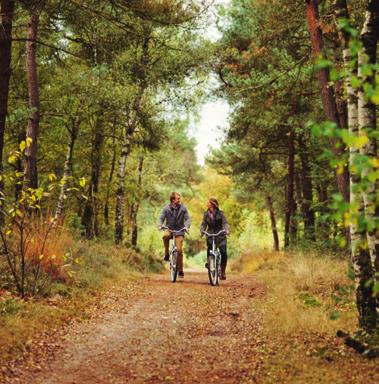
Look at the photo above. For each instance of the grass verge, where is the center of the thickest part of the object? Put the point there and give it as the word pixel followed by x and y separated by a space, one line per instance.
pixel 309 297
pixel 98 266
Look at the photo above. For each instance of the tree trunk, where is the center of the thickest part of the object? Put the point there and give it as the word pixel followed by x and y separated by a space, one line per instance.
pixel 323 228
pixel 109 184
pixel 6 19
pixel 120 192
pixel 290 225
pixel 327 92
pixel 90 213
pixel 307 191
pixel 30 162
pixel 365 258
pixel 360 116
pixel 96 169
pixel 66 170
pixel 137 204
pixel 273 223
pixel 133 116
pixel 367 119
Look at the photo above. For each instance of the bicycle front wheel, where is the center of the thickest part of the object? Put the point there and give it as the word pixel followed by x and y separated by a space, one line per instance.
pixel 174 266
pixel 212 270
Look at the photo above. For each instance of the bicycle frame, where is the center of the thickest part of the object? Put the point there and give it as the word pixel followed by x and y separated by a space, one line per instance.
pixel 214 270
pixel 173 253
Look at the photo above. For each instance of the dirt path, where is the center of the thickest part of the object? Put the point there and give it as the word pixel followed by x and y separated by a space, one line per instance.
pixel 159 332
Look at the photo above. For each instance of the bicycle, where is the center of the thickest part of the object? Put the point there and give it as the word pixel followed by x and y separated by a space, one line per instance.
pixel 214 259
pixel 173 254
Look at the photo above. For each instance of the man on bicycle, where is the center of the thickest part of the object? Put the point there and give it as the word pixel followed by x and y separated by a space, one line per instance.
pixel 214 221
pixel 176 217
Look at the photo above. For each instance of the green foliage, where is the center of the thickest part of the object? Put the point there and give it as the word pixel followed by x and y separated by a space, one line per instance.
pixel 308 300
pixel 10 306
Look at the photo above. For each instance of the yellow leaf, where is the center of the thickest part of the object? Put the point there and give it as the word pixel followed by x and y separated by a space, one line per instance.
pixel 12 159
pixel 22 146
pixel 362 140
pixel 340 170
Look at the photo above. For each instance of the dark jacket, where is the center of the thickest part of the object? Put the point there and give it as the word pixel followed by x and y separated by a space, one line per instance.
pixel 215 225
pixel 175 218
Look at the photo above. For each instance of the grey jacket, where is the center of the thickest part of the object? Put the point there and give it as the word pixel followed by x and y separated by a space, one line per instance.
pixel 175 218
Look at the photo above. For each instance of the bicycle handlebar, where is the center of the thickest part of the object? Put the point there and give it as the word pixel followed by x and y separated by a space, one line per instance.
pixel 214 234
pixel 173 231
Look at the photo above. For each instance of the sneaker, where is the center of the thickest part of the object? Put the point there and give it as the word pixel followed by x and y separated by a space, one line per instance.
pixel 166 258
pixel 181 274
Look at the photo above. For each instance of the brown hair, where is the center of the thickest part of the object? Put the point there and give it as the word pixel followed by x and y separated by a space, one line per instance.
pixel 214 202
pixel 173 195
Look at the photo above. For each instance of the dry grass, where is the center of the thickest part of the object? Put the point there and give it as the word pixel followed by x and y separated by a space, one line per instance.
pixel 43 248
pixel 48 247
pixel 306 293
pixel 98 267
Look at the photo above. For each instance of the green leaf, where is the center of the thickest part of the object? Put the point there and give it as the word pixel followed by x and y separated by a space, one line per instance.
pixel 355 82
pixel 334 315
pixel 323 63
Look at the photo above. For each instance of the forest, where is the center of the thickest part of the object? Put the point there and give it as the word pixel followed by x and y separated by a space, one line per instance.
pixel 100 102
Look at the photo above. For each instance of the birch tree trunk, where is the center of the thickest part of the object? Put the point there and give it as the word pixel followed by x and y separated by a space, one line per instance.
pixel 120 192
pixel 109 184
pixel 6 19
pixel 30 162
pixel 133 116
pixel 361 115
pixel 367 118
pixel 273 223
pixel 137 204
pixel 96 170
pixel 89 218
pixel 66 171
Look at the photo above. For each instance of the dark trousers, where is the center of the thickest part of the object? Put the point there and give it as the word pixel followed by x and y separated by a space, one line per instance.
pixel 222 248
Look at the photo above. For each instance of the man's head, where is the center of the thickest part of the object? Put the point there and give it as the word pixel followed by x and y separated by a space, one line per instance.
pixel 175 198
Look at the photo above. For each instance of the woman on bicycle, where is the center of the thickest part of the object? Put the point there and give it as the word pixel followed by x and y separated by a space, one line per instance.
pixel 214 221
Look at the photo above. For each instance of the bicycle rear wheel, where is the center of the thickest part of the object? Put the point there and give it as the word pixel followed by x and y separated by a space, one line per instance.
pixel 174 266
pixel 212 270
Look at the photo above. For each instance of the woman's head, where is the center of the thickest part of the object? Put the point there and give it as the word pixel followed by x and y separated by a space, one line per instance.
pixel 212 203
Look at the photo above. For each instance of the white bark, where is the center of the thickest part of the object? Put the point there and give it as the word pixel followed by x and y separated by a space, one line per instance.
pixel 367 117
pixel 66 172
pixel 120 194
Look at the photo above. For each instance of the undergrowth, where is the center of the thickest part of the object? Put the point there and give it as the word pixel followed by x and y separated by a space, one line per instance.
pixel 96 267
pixel 306 292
